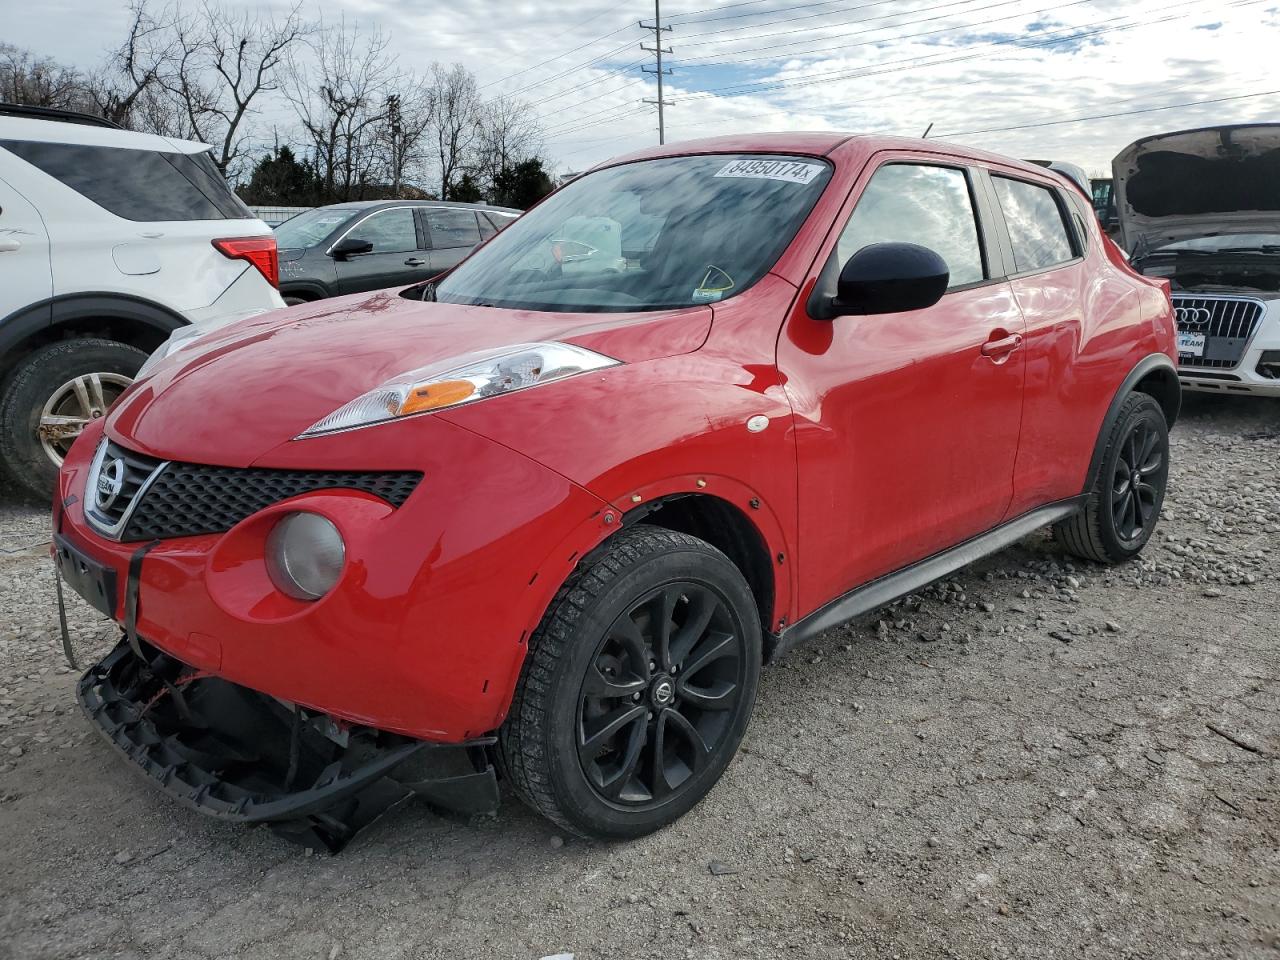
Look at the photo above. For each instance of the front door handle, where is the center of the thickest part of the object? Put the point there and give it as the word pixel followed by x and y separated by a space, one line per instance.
pixel 10 244
pixel 999 349
pixel 415 262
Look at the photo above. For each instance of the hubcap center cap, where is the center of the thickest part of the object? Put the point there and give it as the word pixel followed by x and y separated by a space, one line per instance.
pixel 663 691
pixel 1136 478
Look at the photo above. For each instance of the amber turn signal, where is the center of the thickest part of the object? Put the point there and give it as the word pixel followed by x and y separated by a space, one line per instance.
pixel 432 395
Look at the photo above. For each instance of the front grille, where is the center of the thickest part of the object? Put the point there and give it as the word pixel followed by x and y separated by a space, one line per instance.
pixel 187 500
pixel 116 477
pixel 1228 324
pixel 159 500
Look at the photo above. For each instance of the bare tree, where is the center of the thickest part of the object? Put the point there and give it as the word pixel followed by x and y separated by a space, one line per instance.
pixel 456 124
pixel 221 63
pixel 134 68
pixel 508 134
pixel 41 81
pixel 340 96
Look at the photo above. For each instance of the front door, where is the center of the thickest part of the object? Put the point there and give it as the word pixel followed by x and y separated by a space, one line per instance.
pixel 397 258
pixel 25 274
pixel 907 423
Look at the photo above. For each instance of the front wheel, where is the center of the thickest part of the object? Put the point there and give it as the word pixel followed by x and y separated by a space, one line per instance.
pixel 1122 508
pixel 637 688
pixel 52 395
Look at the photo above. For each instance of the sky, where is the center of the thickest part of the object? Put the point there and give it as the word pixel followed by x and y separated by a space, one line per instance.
pixel 973 70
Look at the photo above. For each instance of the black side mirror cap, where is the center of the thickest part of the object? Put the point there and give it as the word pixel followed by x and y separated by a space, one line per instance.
pixel 887 278
pixel 350 247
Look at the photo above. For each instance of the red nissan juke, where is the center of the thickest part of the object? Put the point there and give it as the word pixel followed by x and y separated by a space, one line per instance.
pixel 546 517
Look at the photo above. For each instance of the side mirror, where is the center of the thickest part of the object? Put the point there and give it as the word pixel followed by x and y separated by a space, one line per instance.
pixel 889 278
pixel 349 247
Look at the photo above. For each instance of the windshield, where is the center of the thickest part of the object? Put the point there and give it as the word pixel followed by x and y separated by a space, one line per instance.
pixel 657 234
pixel 309 228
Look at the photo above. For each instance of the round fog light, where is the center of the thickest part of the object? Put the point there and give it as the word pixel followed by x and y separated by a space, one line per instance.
pixel 305 554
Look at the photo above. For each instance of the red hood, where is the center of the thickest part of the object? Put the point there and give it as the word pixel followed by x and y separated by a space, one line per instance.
pixel 244 389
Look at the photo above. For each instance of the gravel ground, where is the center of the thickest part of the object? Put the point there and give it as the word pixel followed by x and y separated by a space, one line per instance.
pixel 1037 758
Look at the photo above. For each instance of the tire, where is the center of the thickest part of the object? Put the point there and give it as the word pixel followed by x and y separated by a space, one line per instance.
pixel 1123 506
pixel 584 669
pixel 292 301
pixel 44 376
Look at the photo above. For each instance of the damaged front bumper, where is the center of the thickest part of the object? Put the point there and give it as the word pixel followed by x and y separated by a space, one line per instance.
pixel 236 754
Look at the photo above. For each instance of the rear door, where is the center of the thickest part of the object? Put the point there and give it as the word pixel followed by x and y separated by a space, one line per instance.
pixel 453 233
pixel 1063 301
pixel 398 257
pixel 25 275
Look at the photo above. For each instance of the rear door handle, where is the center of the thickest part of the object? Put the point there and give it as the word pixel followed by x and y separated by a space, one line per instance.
pixel 1001 348
pixel 415 262
pixel 9 244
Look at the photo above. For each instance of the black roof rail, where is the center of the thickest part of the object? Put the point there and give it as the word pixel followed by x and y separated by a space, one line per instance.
pixel 53 113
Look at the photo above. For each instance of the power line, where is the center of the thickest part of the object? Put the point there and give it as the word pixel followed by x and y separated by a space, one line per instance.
pixel 542 63
pixel 892 26
pixel 912 63
pixel 909 64
pixel 1110 116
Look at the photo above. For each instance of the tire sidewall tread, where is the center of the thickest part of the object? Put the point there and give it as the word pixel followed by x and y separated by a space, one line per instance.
pixel 540 763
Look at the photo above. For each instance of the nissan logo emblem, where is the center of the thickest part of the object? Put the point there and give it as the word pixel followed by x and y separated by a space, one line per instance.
pixel 1192 316
pixel 110 483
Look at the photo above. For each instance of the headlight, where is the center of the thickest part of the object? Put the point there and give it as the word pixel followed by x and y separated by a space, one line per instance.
pixel 305 554
pixel 462 380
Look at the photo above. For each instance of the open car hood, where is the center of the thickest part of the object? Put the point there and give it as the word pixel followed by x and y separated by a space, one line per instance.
pixel 1198 183
pixel 242 390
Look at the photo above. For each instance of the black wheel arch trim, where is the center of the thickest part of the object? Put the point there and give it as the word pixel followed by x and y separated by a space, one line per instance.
pixel 1170 404
pixel 68 308
pixel 890 587
pixel 314 291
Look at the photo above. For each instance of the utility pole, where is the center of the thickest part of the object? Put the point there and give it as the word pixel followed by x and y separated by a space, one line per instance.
pixel 393 119
pixel 658 50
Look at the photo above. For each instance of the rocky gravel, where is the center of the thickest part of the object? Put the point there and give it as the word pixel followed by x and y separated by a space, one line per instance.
pixel 1036 758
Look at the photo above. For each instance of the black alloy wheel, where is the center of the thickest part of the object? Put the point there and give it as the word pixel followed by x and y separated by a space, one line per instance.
pixel 637 687
pixel 659 695
pixel 1122 506
pixel 1135 496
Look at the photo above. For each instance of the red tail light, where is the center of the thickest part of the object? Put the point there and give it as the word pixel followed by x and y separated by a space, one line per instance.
pixel 259 251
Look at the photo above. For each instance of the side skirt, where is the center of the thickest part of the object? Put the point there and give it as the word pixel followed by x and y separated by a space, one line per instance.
pixel 890 587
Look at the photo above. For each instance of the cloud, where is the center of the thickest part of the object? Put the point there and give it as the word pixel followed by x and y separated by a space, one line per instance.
pixel 894 67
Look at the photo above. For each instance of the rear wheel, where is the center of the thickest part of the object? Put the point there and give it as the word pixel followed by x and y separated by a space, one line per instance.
pixel 638 686
pixel 52 395
pixel 1123 507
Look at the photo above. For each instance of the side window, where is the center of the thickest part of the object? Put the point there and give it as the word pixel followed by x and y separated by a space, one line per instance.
pixel 391 231
pixel 139 185
pixel 912 203
pixel 1036 227
pixel 452 228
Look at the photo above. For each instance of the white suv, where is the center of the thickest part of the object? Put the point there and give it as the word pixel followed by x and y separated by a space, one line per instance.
pixel 109 241
pixel 1201 208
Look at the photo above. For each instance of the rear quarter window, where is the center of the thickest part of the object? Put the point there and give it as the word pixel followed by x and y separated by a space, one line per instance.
pixel 139 185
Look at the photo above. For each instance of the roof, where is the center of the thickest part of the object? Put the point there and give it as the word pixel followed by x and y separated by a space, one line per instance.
pixel 374 204
pixel 815 144
pixel 39 129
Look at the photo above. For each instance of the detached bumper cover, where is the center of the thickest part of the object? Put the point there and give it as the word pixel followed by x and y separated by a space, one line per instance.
pixel 238 755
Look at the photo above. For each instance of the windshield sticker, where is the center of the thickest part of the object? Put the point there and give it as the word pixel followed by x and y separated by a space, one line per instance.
pixel 714 286
pixel 789 171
